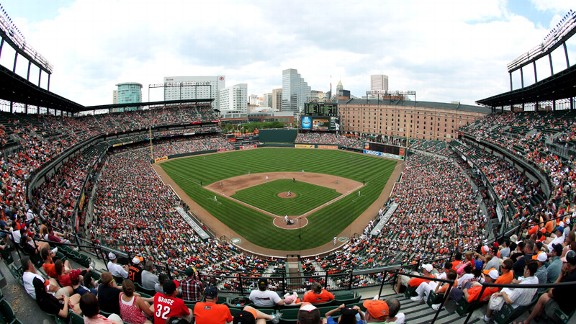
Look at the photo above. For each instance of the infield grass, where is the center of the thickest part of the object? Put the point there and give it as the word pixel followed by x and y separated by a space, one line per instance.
pixel 257 227
pixel 305 197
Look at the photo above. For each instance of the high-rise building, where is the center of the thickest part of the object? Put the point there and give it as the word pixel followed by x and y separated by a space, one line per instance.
pixel 266 100
pixel 277 99
pixel 234 99
pixel 128 92
pixel 295 91
pixel 379 82
pixel 194 87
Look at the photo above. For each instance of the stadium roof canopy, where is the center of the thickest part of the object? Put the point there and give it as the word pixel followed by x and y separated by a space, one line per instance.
pixel 559 86
pixel 14 88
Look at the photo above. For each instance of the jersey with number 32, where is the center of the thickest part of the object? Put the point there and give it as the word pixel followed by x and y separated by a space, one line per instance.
pixel 166 307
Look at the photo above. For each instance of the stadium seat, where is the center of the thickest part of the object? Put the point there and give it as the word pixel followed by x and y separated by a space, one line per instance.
pixel 75 318
pixel 8 313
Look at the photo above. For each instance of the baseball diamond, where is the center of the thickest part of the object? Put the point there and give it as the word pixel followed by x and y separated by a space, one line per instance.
pixel 356 182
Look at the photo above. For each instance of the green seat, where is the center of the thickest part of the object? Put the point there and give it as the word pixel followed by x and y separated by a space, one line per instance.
pixel 563 317
pixel 507 314
pixel 289 313
pixel 434 298
pixel 75 318
pixel 7 256
pixel 8 312
pixel 59 320
pixel 463 307
pixel 141 289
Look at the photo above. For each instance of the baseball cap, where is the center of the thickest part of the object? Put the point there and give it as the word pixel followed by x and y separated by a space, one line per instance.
pixel 211 292
pixel 557 248
pixel 135 260
pixel 262 283
pixel 377 308
pixel 485 249
pixel 428 267
pixel 570 257
pixel 493 274
pixel 111 256
pixel 542 257
pixel 560 228
pixel 245 317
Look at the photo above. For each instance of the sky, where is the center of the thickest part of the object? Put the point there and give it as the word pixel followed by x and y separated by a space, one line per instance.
pixel 444 50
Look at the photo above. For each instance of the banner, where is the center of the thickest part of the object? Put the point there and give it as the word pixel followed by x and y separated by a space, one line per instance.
pixel 164 158
pixel 306 146
pixel 328 147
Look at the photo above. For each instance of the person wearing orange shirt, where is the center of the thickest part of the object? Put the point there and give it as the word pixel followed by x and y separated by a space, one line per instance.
pixel 318 295
pixel 208 312
pixel 507 274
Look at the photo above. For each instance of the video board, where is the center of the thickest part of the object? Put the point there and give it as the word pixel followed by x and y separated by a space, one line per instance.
pixel 319 123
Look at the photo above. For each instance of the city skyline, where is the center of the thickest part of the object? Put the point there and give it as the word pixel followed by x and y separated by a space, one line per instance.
pixel 445 51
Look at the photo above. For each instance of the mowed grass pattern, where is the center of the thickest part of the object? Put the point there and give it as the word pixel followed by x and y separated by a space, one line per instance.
pixel 305 196
pixel 257 227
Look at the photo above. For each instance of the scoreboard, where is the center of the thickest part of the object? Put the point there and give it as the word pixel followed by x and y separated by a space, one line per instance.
pixel 319 123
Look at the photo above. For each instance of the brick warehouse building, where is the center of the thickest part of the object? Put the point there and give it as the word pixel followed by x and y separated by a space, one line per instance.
pixel 404 118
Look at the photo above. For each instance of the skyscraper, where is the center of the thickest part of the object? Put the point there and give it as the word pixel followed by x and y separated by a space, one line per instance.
pixel 194 87
pixel 379 82
pixel 277 99
pixel 295 91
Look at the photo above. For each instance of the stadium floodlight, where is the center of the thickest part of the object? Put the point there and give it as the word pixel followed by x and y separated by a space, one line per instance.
pixel 565 29
pixel 11 33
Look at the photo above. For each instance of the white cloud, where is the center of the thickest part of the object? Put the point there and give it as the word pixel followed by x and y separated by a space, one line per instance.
pixel 445 50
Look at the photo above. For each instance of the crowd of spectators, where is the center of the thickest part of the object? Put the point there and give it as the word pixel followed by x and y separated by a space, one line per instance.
pixel 329 139
pixel 437 214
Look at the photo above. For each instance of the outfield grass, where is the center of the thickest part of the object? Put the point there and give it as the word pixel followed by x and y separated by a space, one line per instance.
pixel 258 228
pixel 305 197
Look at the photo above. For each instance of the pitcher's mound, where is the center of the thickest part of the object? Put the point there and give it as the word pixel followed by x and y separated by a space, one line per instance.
pixel 287 194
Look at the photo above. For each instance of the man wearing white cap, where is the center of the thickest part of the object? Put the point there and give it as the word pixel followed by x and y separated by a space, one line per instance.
pixel 542 272
pixel 116 269
pixel 135 271
pixel 415 282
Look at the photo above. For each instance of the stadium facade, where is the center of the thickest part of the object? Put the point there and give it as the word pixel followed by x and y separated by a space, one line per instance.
pixel 408 119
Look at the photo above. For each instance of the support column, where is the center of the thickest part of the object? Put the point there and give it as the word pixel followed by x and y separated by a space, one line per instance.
pixel 535 73
pixel 15 61
pixel 28 73
pixel 566 55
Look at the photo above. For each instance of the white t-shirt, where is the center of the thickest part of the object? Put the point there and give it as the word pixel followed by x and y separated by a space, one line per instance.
pixel 117 270
pixel 28 278
pixel 265 298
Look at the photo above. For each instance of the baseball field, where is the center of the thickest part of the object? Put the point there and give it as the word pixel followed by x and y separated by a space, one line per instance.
pixel 252 191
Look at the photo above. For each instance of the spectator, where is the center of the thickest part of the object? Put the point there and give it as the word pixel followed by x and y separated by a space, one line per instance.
pixel 514 296
pixel 558 297
pixel 133 309
pixel 309 314
pixel 263 297
pixel 208 312
pixel 48 302
pixel 89 306
pixel 149 279
pixel 347 315
pixel 117 270
pixel 318 295
pixel 191 286
pixel 167 305
pixel 555 265
pixel 135 271
pixel 108 294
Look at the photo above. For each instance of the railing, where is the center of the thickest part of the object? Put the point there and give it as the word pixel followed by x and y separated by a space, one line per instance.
pixel 517 286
